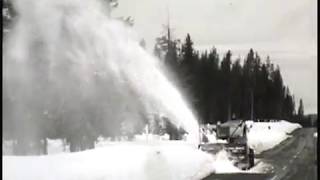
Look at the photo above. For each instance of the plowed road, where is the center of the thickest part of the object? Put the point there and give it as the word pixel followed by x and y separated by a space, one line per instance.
pixel 293 159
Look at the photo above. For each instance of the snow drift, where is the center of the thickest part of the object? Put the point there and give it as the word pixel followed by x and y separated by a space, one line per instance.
pixel 118 161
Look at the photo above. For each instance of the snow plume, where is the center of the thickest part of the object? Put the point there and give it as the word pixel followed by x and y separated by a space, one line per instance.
pixel 67 60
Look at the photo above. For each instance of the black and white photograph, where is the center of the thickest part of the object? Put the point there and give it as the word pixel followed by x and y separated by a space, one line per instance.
pixel 159 90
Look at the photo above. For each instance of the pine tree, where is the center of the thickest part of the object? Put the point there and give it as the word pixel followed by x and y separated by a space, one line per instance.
pixel 236 91
pixel 288 105
pixel 278 95
pixel 248 85
pixel 263 89
pixel 300 110
pixel 188 53
pixel 212 77
pixel 166 49
pixel 226 86
pixel 189 62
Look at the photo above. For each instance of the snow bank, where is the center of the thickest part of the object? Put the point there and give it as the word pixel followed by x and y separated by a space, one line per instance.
pixel 127 160
pixel 266 135
pixel 262 135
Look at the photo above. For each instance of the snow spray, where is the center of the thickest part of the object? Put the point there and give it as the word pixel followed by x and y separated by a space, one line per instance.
pixel 64 56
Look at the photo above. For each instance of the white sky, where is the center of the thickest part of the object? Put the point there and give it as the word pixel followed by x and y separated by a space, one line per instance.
pixel 284 29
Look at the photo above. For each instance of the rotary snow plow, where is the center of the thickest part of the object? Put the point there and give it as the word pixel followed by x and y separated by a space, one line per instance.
pixel 234 140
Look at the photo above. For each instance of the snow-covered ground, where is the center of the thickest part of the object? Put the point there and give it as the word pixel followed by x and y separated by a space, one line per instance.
pixel 147 157
pixel 141 160
pixel 266 135
pixel 117 160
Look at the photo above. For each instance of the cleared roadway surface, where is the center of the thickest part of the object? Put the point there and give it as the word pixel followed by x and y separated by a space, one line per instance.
pixel 293 159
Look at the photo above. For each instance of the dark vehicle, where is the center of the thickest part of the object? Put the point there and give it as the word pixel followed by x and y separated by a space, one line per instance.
pixel 235 134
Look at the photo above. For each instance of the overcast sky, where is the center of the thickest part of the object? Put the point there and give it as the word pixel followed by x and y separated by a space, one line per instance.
pixel 284 29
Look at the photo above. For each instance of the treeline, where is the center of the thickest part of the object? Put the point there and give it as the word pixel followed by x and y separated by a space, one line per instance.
pixel 220 88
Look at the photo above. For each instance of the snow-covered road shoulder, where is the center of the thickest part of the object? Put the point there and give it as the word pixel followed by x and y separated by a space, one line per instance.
pixel 266 135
